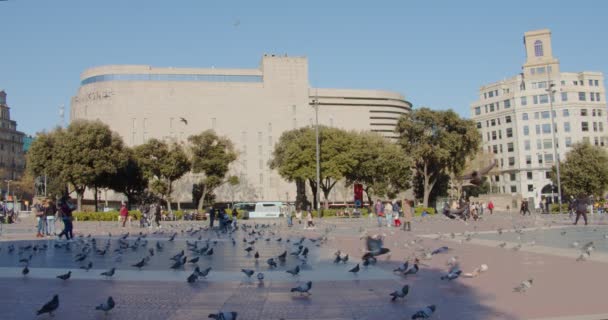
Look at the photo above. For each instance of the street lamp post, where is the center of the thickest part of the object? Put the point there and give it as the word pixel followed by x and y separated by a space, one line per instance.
pixel 551 92
pixel 315 103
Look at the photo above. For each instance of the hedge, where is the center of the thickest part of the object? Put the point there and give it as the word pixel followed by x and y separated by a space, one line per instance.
pixel 555 208
pixel 113 215
pixel 419 210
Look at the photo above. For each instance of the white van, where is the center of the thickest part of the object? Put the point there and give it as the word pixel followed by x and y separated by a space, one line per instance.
pixel 264 210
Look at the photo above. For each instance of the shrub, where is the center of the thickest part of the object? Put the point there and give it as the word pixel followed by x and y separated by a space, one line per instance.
pixel 555 208
pixel 418 211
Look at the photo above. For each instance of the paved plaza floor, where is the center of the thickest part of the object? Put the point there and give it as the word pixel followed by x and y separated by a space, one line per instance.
pixel 567 282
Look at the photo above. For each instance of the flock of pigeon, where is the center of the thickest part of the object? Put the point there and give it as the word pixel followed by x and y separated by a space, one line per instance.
pixel 115 248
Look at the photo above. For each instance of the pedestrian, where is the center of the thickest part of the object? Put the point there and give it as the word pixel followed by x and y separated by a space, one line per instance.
pixel 212 212
pixel 158 214
pixel 289 217
pixel 40 216
pixel 580 205
pixel 407 208
pixel 309 223
pixel 65 210
pixel 299 215
pixel 542 206
pixel 481 207
pixel 379 211
pixel 124 213
pixel 50 211
pixel 396 210
pixel 388 211
pixel 491 207
pixel 235 215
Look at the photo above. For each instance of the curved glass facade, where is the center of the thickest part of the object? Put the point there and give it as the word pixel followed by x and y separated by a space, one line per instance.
pixel 172 77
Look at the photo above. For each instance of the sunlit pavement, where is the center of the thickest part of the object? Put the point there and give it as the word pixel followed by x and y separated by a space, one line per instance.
pixel 563 287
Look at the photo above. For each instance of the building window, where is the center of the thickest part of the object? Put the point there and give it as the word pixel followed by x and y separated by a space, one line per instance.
pixel 548 174
pixel 526 130
pixel 596 82
pixel 496 178
pixel 500 147
pixel 591 96
pixel 495 149
pixel 530 187
pixel 491 107
pixel 508 119
pixel 540 158
pixel 585 126
pixel 545 114
pixel 539 144
pixel 581 96
pixel 491 94
pixel 547 144
pixel 478 125
pixel 493 135
pixel 529 175
pixel 546 128
pixel 548 158
pixel 601 124
pixel 524 101
pixel 564 96
pixel 566 126
pixel 512 177
pixel 507 103
pixel 538 129
pixel 543 98
pixel 527 145
pixel 511 161
pixel 596 141
pixel 599 112
pixel 594 126
pixel 509 132
pixel 499 134
pixel 493 122
pixel 524 116
pixel 477 111
pixel 528 159
pixel 597 96
pixel 513 189
pixel 584 112
pixel 538 48
pixel 568 142
pixel 565 113
pixel 535 99
pixel 510 147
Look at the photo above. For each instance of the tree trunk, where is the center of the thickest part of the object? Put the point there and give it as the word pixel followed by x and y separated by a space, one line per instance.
pixel 301 201
pixel 79 194
pixel 95 198
pixel 369 196
pixel 202 199
pixel 428 186
pixel 313 187
pixel 169 196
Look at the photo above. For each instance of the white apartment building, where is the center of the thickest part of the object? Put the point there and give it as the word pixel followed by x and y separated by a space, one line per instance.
pixel 515 119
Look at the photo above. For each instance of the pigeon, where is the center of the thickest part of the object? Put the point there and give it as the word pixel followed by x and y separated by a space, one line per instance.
pixel 140 264
pixel 453 274
pixel 582 257
pixel 223 315
pixel 50 306
pixel 524 286
pixel 209 252
pixel 374 248
pixel 402 267
pixel 256 255
pixel 25 271
pixel 400 293
pixel 271 263
pixel 305 288
pixel 183 120
pixel 440 250
pixel 109 273
pixel 412 270
pixel 173 237
pixel 260 276
pixel 178 256
pixel 105 307
pixel 282 256
pixel 204 273
pixel 193 261
pixel 425 313
pixel 158 246
pixel 193 277
pixel 65 276
pixel 249 249
pixel 355 269
pixel 502 245
pixel 295 271
pixel 248 272
pixel 88 266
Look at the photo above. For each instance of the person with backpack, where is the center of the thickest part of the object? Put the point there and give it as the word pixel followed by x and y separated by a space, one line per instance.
pixel 65 211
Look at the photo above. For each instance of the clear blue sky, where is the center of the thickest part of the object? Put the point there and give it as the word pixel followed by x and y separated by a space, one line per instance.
pixel 436 53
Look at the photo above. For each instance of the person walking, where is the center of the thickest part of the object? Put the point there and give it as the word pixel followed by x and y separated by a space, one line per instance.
pixel 39 212
pixel 309 223
pixel 50 211
pixel 491 207
pixel 379 211
pixel 158 214
pixel 65 210
pixel 124 213
pixel 580 205
pixel 289 217
pixel 212 212
pixel 388 211
pixel 407 208
pixel 542 206
pixel 396 213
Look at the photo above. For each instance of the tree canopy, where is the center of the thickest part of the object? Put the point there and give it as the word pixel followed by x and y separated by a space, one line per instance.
pixel 439 142
pixel 584 172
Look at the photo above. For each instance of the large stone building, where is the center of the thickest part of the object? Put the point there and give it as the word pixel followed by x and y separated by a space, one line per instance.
pixel 12 155
pixel 252 107
pixel 515 119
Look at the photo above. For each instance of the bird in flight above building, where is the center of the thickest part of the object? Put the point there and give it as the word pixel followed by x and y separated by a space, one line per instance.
pixel 183 120
pixel 476 176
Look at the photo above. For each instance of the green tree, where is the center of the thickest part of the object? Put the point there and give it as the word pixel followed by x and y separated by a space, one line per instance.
pixel 295 157
pixel 585 171
pixel 211 156
pixel 129 179
pixel 439 142
pixel 382 167
pixel 162 163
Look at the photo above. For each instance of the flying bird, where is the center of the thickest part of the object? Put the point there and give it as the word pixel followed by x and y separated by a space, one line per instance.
pixel 475 177
pixel 50 306
pixel 374 248
pixel 183 120
pixel 105 307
